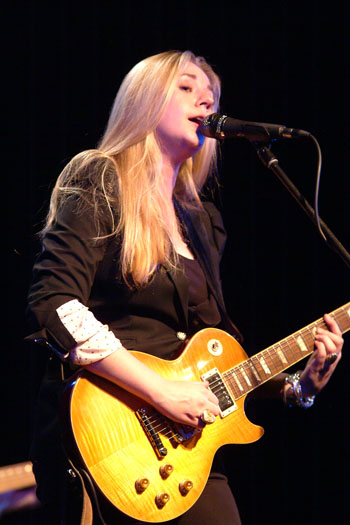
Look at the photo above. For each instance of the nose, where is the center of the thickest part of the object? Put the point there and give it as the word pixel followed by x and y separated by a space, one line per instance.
pixel 206 99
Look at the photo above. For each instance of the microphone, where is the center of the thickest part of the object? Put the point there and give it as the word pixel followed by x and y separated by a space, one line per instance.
pixel 221 126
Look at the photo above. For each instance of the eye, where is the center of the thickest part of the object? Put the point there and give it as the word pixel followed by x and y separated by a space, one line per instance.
pixel 186 88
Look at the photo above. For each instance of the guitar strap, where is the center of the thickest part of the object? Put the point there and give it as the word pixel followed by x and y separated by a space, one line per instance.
pixel 86 511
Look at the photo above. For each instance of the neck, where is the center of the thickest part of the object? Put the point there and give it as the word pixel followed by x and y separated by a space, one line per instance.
pixel 170 171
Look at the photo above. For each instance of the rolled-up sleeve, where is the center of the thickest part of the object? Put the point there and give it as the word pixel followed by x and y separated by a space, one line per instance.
pixel 95 340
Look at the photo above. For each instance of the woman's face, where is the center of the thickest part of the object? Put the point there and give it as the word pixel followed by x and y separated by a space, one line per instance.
pixel 192 100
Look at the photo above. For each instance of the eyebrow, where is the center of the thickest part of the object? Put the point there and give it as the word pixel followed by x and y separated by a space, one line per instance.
pixel 191 75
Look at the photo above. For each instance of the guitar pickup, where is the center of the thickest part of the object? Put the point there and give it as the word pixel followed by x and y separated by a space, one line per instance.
pixel 227 404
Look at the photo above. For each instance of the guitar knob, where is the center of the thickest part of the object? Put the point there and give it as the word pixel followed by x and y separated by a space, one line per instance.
pixel 185 487
pixel 141 484
pixel 162 499
pixel 166 470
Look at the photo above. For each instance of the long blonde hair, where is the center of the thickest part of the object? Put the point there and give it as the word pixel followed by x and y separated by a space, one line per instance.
pixel 124 169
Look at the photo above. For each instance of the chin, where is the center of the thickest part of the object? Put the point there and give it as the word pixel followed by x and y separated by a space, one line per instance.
pixel 193 149
pixel 196 141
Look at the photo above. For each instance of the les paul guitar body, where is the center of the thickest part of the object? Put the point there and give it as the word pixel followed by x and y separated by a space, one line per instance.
pixel 119 453
pixel 144 464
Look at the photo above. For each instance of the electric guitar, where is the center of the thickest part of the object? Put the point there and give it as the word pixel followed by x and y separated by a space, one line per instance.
pixel 151 468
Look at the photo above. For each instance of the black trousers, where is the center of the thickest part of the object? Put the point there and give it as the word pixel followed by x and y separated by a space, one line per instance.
pixel 216 505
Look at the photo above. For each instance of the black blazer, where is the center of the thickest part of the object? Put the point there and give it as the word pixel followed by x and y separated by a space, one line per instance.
pixel 153 319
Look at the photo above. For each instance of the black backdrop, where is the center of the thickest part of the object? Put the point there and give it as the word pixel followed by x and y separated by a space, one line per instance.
pixel 283 62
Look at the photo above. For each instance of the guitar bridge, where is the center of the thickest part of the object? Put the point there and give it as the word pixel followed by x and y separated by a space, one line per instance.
pixel 155 424
pixel 227 404
pixel 148 426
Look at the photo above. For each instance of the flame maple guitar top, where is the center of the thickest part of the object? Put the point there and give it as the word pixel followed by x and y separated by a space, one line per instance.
pixel 117 452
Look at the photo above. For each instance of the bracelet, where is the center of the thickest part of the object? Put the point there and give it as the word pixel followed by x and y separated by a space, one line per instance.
pixel 296 397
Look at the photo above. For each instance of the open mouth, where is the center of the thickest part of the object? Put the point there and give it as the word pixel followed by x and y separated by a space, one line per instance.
pixel 196 120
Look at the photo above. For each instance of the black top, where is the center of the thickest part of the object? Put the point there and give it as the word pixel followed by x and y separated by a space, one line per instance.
pixel 203 309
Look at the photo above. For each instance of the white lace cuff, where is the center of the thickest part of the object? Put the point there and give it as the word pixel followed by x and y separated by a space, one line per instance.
pixel 95 340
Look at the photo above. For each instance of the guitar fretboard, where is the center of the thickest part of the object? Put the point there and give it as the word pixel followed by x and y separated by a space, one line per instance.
pixel 250 374
pixel 16 477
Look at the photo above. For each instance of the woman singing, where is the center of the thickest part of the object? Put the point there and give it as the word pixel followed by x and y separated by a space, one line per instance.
pixel 130 261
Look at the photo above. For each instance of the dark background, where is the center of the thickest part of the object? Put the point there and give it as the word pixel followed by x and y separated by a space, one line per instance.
pixel 280 61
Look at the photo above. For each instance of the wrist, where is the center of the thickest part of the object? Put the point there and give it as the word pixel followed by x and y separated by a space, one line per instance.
pixel 157 390
pixel 293 394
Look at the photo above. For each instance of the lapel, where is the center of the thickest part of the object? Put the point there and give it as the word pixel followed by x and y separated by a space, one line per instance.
pixel 193 222
pixel 180 283
pixel 200 243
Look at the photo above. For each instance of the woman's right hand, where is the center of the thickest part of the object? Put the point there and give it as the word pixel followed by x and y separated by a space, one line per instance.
pixel 185 402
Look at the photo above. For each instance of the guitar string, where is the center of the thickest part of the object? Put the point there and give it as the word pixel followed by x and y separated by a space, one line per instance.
pixel 290 349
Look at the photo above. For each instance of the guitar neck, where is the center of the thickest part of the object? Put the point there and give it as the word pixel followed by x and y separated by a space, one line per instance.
pixel 16 477
pixel 248 375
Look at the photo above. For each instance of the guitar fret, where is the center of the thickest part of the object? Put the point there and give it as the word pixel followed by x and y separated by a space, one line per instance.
pixel 298 353
pixel 239 384
pixel 255 372
pixel 293 349
pixel 231 385
pixel 289 354
pixel 246 373
pixel 264 364
pixel 309 339
pixel 342 316
pixel 251 373
pixel 273 360
pixel 280 355
pixel 245 382
pixel 259 368
pixel 312 329
pixel 268 361
pixel 301 343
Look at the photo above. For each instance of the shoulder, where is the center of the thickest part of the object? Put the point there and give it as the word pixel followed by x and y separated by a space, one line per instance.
pixel 92 171
pixel 87 191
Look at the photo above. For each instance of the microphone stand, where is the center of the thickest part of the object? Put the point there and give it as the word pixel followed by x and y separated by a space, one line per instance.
pixel 271 162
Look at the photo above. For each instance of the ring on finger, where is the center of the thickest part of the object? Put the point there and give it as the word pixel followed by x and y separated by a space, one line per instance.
pixel 331 358
pixel 207 417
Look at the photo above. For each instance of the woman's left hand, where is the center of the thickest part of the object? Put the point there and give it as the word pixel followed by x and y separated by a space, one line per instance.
pixel 320 367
